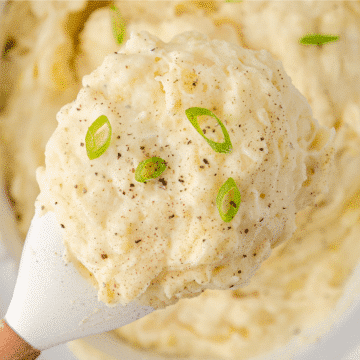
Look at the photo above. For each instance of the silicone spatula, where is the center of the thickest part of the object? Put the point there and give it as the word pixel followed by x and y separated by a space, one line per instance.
pixel 52 303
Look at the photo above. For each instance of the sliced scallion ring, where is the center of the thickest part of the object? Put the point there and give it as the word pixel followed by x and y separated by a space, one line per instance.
pixel 230 198
pixel 118 24
pixel 150 169
pixel 98 137
pixel 318 39
pixel 193 113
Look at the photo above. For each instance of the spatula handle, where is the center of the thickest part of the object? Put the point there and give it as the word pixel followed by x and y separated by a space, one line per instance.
pixel 13 347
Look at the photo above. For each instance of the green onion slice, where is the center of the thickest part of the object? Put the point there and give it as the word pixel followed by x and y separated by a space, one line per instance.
pixel 230 198
pixel 118 24
pixel 98 137
pixel 193 113
pixel 317 39
pixel 150 169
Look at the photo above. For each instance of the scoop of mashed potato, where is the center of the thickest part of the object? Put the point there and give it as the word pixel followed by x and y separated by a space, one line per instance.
pixel 163 240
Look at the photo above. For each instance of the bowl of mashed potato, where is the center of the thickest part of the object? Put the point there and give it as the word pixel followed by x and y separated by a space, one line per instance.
pixel 300 289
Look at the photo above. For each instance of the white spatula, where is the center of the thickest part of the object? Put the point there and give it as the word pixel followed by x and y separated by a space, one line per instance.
pixel 52 303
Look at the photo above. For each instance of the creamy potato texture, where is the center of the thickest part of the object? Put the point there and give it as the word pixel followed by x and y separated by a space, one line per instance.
pixel 313 267
pixel 164 239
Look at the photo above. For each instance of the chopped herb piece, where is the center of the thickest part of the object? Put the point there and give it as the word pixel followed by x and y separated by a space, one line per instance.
pixel 118 24
pixel 231 205
pixel 193 113
pixel 150 169
pixel 317 39
pixel 98 137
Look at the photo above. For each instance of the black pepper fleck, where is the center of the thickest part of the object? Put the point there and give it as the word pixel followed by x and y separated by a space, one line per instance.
pixel 233 204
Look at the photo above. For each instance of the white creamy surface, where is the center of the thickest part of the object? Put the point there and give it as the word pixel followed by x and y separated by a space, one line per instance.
pixel 313 267
pixel 279 162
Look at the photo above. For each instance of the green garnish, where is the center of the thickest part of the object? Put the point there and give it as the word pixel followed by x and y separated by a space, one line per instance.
pixel 193 113
pixel 317 39
pixel 150 169
pixel 98 137
pixel 118 24
pixel 230 198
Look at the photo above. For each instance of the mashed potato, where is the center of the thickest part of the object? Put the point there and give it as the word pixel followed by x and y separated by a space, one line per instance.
pixel 316 262
pixel 164 240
